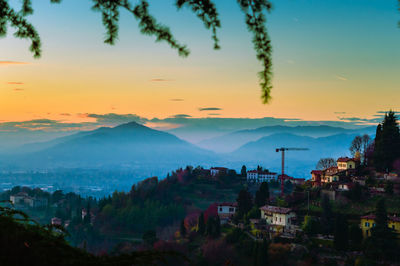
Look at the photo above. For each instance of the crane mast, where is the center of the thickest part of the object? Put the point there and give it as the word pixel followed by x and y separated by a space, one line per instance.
pixel 282 150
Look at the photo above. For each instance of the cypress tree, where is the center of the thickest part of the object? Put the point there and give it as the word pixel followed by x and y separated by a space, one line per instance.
pixel 341 234
pixel 262 195
pixel 183 228
pixel 201 227
pixel 245 203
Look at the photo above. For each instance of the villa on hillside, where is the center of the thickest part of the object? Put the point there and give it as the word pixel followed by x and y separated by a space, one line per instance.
pixel 216 171
pixel 278 219
pixel 368 222
pixel 344 169
pixel 259 176
pixel 22 199
pixel 226 210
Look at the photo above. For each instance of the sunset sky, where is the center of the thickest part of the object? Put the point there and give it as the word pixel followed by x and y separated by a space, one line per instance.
pixel 332 60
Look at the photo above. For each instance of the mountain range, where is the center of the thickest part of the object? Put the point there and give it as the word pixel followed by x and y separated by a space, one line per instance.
pixel 232 141
pixel 152 152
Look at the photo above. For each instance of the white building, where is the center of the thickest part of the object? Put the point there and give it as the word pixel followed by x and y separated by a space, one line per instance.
pixel 278 216
pixel 260 176
pixel 215 171
pixel 226 210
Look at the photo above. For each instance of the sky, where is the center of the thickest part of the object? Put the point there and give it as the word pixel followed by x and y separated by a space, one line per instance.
pixel 332 61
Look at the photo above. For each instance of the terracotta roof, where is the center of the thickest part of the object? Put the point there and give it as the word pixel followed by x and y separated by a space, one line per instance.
pixel 231 204
pixel 275 209
pixel 372 217
pixel 316 172
pixel 345 159
pixel 261 172
pixel 219 168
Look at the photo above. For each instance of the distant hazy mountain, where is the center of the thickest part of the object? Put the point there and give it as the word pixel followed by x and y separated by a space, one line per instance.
pixel 298 163
pixel 129 145
pixel 233 141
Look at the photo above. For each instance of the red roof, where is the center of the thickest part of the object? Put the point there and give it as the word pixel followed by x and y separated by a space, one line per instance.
pixel 230 204
pixel 275 209
pixel 262 172
pixel 219 168
pixel 316 172
pixel 372 217
pixel 345 159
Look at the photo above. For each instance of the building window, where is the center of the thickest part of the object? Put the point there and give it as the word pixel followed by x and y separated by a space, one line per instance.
pixel 393 227
pixel 220 209
pixel 367 225
pixel 231 210
pixel 373 225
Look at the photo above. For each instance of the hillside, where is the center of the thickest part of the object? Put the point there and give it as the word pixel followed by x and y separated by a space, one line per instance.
pixel 128 145
pixel 232 141
pixel 299 163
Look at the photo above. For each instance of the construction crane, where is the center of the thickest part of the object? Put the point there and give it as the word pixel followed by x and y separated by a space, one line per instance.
pixel 283 162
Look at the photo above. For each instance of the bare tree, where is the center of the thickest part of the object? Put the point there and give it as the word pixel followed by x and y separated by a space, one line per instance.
pixel 325 163
pixel 366 141
pixel 356 145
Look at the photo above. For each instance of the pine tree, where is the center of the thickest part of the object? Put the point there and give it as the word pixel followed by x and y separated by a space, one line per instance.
pixel 387 143
pixel 262 195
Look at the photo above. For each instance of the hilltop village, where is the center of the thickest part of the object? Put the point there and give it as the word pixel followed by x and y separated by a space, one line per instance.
pixel 346 213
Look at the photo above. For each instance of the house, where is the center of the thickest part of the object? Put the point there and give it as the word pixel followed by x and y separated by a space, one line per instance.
pixel 56 221
pixel 345 163
pixel 279 218
pixel 226 210
pixel 18 198
pixel 216 171
pixel 345 186
pixel 316 178
pixel 22 198
pixel 259 176
pixel 368 222
pixel 330 175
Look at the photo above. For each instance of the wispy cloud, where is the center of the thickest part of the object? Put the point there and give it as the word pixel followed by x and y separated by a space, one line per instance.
pixel 18 89
pixel 214 114
pixel 15 83
pixel 341 78
pixel 177 100
pixel 5 63
pixel 210 109
pixel 340 113
pixel 181 116
pixel 160 80
pixel 65 114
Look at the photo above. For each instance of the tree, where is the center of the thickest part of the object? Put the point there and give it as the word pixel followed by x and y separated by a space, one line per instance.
pixel 245 203
pixel 213 227
pixel 387 143
pixel 253 10
pixel 310 226
pixel 243 171
pixel 327 216
pixel 341 234
pixel 182 228
pixel 382 244
pixel 356 145
pixel 262 195
pixel 201 227
pixel 389 188
pixel 150 237
pixel 325 163
pixel 261 253
pixel 355 236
